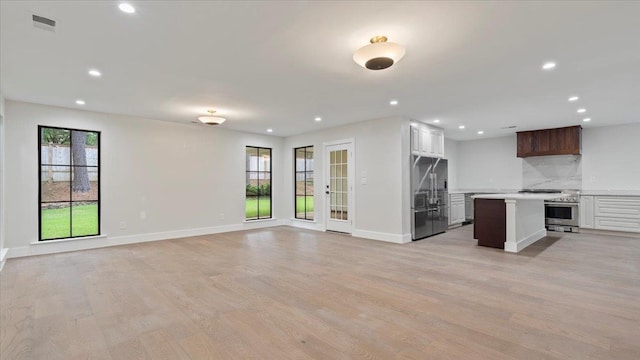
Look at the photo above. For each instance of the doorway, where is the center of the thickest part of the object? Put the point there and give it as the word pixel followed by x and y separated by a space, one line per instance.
pixel 339 199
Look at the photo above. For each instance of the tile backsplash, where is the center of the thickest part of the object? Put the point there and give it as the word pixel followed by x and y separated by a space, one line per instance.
pixel 552 172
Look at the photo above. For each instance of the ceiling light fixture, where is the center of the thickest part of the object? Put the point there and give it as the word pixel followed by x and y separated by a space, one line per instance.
pixel 378 55
pixel 210 119
pixel 95 73
pixel 269 130
pixel 580 111
pixel 318 118
pixel 461 127
pixel 80 102
pixel 127 8
pixel 393 102
pixel 549 65
pixel 436 121
pixel 574 98
pixel 586 119
pixel 480 132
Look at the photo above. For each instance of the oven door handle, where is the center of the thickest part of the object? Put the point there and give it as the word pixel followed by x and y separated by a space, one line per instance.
pixel 567 204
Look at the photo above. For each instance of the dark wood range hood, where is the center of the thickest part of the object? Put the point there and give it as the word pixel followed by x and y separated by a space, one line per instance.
pixel 558 141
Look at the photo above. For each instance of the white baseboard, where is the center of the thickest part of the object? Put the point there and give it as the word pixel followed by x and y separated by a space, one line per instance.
pixel 43 248
pixel 374 235
pixel 305 224
pixel 3 257
pixel 524 242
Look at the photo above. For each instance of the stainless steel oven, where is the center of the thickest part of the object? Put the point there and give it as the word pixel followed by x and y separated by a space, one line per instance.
pixel 561 216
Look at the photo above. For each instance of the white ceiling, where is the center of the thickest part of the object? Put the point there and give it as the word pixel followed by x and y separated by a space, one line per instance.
pixel 280 64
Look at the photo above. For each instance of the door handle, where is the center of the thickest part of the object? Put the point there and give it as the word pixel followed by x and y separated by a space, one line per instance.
pixel 327 192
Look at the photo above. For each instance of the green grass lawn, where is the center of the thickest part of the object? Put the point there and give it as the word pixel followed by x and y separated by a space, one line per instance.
pixel 251 207
pixel 56 223
pixel 300 202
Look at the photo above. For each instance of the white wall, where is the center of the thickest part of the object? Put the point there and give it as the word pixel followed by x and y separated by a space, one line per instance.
pixel 611 157
pixel 451 154
pixel 3 251
pixel 489 164
pixel 163 179
pixel 379 155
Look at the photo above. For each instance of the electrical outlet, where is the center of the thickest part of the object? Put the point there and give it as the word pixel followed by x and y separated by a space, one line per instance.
pixel 123 225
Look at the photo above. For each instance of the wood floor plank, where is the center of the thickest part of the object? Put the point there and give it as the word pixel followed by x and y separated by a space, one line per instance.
pixel 284 293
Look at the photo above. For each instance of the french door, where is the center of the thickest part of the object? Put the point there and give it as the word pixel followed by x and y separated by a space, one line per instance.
pixel 339 187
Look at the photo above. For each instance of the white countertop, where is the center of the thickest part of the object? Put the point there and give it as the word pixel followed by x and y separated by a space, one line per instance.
pixel 517 196
pixel 611 192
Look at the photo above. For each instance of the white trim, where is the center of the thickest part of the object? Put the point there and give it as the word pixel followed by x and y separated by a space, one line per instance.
pixel 374 235
pixel 50 247
pixel 517 246
pixel 306 224
pixel 338 142
pixel 259 220
pixel 3 257
pixel 68 239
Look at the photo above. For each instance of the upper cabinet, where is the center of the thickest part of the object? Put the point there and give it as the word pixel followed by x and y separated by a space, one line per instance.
pixel 559 141
pixel 427 141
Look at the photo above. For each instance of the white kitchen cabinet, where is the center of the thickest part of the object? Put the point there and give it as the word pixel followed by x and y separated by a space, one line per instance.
pixel 586 212
pixel 456 209
pixel 617 213
pixel 427 141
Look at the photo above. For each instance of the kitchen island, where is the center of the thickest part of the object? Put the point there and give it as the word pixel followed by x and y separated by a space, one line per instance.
pixel 510 221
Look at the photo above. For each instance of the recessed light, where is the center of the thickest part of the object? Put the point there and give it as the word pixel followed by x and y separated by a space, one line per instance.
pixel 549 65
pixel 127 8
pixel 461 127
pixel 95 73
pixel 393 102
pixel 80 102
pixel 580 111
pixel 574 98
pixel 480 132
pixel 586 119
pixel 269 130
pixel 436 121
pixel 318 118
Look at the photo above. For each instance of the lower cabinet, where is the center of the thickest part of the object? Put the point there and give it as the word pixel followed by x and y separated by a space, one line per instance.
pixel 586 212
pixel 616 213
pixel 456 209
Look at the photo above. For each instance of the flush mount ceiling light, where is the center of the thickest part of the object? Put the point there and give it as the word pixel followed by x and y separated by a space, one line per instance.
pixel 586 119
pixel 80 102
pixel 480 132
pixel 210 119
pixel 318 118
pixel 393 102
pixel 461 127
pixel 269 130
pixel 95 73
pixel 580 111
pixel 574 98
pixel 378 55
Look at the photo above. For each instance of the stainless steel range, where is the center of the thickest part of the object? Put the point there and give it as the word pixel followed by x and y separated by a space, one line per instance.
pixel 561 214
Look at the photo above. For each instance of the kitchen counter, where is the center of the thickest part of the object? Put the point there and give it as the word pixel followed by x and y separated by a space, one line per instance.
pixel 523 196
pixel 610 192
pixel 510 221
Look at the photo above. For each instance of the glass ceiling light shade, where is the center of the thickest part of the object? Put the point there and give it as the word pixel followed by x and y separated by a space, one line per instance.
pixel 211 120
pixel 378 55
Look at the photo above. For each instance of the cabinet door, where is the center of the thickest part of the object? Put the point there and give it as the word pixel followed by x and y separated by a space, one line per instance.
pixel 415 140
pixel 437 143
pixel 586 212
pixel 425 142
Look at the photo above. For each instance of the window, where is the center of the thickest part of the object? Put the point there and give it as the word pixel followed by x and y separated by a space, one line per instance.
pixel 258 184
pixel 304 182
pixel 69 186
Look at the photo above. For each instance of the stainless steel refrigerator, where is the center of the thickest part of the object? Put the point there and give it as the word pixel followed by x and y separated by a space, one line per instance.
pixel 430 197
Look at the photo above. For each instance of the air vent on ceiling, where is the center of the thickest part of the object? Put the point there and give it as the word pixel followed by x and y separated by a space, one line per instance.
pixel 44 23
pixel 509 127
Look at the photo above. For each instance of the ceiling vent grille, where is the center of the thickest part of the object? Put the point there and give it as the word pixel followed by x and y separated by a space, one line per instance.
pixel 43 23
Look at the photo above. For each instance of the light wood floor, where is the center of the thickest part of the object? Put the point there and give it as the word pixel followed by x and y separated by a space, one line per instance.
pixel 284 293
